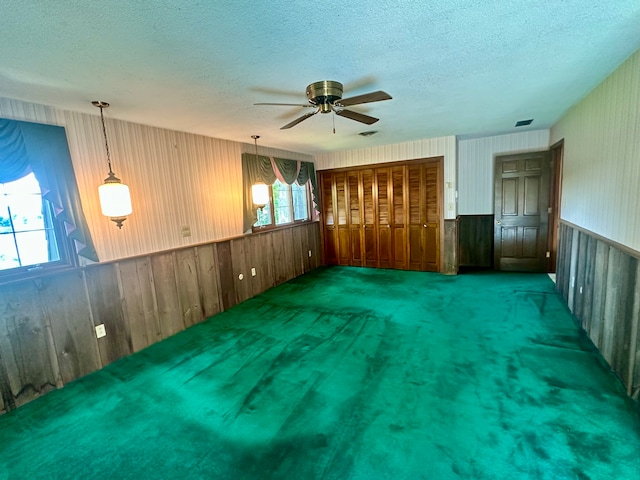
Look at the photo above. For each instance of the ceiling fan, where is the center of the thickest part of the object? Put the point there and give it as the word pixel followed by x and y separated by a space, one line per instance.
pixel 326 97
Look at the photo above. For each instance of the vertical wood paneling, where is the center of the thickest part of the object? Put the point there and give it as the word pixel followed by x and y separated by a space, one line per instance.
pixel 241 274
pixel 208 279
pixel 601 168
pixel 24 346
pixel 169 310
pixel 70 319
pixel 227 283
pixel 599 293
pixel 187 284
pixel 606 298
pixel 106 308
pixel 260 257
pixel 138 290
pixel 476 165
pixel 283 256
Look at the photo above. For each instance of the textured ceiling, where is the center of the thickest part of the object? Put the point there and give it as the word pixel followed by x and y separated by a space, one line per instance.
pixel 453 67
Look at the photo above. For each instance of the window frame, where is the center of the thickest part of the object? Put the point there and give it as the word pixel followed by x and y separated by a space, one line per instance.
pixel 273 225
pixel 68 258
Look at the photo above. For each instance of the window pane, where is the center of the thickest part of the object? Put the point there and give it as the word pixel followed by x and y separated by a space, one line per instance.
pixel 264 216
pixel 300 210
pixel 8 253
pixel 26 211
pixel 5 221
pixel 282 202
pixel 33 247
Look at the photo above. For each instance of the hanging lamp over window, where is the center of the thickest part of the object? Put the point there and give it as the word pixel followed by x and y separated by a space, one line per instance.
pixel 259 190
pixel 115 199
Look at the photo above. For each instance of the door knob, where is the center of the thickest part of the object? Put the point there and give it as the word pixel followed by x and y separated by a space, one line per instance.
pixel 425 225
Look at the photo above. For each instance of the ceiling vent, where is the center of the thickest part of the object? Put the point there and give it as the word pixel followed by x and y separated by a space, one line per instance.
pixel 524 123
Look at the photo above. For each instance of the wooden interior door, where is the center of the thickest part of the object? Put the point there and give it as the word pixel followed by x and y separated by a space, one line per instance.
pixel 521 212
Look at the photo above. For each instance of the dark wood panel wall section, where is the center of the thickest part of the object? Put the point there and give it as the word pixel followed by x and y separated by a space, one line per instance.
pixel 475 241
pixel 47 325
pixel 600 281
pixel 387 216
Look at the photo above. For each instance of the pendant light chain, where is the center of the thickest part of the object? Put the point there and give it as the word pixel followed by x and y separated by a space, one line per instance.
pixel 255 140
pixel 106 142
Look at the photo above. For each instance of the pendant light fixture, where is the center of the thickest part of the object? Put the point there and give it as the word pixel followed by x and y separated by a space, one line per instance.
pixel 259 190
pixel 115 199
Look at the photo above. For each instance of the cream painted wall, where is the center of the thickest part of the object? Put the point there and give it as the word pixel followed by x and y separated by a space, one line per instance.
pixel 475 166
pixel 432 147
pixel 175 179
pixel 601 174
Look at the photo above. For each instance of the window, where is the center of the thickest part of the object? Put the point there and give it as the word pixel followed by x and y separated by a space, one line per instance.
pixel 287 204
pixel 28 236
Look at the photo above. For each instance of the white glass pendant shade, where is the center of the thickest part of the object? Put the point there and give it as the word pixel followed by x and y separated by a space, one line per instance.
pixel 260 194
pixel 115 199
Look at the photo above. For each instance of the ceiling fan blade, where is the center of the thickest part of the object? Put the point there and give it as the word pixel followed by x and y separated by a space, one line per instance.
pixel 298 120
pixel 364 98
pixel 287 104
pixel 358 117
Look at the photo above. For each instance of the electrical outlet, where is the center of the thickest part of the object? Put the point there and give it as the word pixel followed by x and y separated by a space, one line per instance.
pixel 253 272
pixel 309 253
pixel 100 331
pixel 185 231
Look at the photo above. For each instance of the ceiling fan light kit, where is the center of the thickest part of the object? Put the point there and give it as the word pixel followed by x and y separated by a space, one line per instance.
pixel 326 97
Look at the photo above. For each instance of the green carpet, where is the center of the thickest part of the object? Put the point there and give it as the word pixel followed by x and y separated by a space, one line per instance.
pixel 347 373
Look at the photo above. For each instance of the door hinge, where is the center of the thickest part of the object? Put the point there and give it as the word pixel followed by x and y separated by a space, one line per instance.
pixel 548 254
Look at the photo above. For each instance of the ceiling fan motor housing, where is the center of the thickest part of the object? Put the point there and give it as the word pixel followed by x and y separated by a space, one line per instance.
pixel 324 94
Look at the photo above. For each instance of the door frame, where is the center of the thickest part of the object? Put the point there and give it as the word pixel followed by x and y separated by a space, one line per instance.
pixel 555 196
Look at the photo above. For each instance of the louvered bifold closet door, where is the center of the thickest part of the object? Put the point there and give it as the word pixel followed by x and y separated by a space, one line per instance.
pixel 330 232
pixel 432 240
pixel 398 218
pixel 382 189
pixel 344 244
pixel 369 219
pixel 417 213
pixel 356 233
pixel 424 217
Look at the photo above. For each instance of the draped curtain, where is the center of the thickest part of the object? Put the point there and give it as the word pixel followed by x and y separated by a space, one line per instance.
pixel 42 149
pixel 267 169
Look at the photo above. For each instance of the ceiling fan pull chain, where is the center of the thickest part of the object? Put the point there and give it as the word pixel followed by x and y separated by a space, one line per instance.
pixel 333 117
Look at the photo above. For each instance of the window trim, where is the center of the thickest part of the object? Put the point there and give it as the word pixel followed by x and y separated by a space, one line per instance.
pixel 273 225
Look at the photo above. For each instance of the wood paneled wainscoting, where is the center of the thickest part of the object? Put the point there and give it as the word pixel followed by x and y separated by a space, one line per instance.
pixel 385 215
pixel 600 280
pixel 47 325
